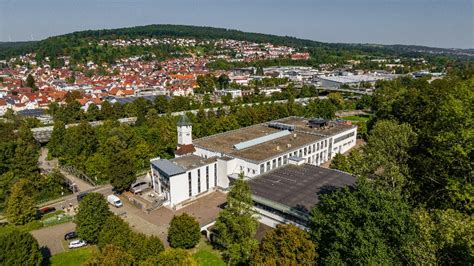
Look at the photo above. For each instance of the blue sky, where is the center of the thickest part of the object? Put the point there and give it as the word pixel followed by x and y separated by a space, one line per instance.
pixel 439 23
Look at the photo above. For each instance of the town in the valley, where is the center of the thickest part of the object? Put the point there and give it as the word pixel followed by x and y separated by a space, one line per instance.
pixel 126 148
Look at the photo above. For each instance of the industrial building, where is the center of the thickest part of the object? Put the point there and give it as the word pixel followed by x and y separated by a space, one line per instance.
pixel 287 194
pixel 351 80
pixel 206 164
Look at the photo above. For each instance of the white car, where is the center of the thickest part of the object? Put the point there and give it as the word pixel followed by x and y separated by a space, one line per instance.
pixel 77 243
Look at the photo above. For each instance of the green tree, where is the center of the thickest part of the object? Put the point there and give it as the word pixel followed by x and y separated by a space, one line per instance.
pixel 236 225
pixel 20 205
pixel 19 248
pixel 25 159
pixel 446 238
pixel 55 144
pixel 123 171
pixel 184 231
pixel 365 225
pixel 285 245
pixel 336 99
pixel 340 162
pixel 30 82
pixel 91 217
pixel 223 81
pixel 115 232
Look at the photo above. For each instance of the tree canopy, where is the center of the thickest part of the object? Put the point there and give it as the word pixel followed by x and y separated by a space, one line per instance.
pixel 285 245
pixel 19 248
pixel 237 224
pixel 91 217
pixel 184 231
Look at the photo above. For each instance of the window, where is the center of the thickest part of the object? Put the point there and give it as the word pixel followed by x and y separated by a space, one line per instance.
pixel 253 171
pixel 199 180
pixel 262 168
pixel 215 174
pixel 305 151
pixel 317 146
pixel 207 182
pixel 199 184
pixel 207 171
pixel 274 163
pixel 268 166
pixel 341 138
pixel 279 161
pixel 190 184
pixel 285 159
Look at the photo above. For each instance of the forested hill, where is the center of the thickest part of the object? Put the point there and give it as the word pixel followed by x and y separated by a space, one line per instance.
pixel 63 44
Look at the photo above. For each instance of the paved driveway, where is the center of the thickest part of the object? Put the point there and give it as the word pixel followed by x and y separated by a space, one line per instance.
pixel 53 237
pixel 204 209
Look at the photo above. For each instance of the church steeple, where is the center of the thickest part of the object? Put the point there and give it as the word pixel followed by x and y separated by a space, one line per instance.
pixel 185 130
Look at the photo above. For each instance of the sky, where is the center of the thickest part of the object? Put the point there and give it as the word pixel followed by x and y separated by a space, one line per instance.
pixel 437 23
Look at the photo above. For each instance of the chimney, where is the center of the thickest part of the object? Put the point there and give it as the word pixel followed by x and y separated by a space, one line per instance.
pixel 278 148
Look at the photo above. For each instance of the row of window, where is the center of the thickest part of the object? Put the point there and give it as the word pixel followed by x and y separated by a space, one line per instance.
pixel 190 185
pixel 299 153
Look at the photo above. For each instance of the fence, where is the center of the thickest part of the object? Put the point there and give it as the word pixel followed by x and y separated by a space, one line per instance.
pixel 77 173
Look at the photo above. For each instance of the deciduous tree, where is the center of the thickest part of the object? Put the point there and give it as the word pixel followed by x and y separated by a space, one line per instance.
pixel 236 225
pixel 285 245
pixel 19 248
pixel 184 231
pixel 93 214
pixel 20 206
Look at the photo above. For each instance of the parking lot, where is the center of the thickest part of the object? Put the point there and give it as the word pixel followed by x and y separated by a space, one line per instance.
pixel 204 209
pixel 53 237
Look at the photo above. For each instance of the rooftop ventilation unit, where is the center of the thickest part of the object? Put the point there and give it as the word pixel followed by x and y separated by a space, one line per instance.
pixel 260 140
pixel 282 126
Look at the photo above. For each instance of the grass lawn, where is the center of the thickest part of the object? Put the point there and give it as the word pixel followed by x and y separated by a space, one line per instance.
pixel 205 255
pixel 357 118
pixel 73 257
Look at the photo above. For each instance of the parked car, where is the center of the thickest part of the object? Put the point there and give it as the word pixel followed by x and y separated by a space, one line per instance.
pixel 138 187
pixel 70 235
pixel 77 243
pixel 46 210
pixel 114 200
pixel 80 196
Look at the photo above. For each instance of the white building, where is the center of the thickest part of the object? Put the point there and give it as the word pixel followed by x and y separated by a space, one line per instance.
pixel 212 162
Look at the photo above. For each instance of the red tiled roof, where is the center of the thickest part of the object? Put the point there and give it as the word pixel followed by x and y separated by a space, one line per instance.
pixel 185 149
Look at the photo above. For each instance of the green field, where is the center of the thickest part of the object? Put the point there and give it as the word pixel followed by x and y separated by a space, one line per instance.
pixel 205 255
pixel 73 257
pixel 357 118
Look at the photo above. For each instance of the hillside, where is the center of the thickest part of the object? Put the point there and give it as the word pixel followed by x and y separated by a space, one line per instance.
pixel 72 43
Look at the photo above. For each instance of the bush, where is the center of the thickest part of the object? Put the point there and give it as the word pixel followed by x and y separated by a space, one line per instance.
pixel 184 231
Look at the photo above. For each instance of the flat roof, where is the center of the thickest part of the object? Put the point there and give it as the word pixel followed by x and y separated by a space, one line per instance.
pixel 189 162
pixel 298 187
pixel 225 143
pixel 167 167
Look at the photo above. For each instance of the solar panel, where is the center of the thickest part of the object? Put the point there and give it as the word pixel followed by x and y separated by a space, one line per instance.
pixel 253 142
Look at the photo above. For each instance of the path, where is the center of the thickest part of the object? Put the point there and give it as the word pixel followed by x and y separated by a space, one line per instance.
pixel 48 166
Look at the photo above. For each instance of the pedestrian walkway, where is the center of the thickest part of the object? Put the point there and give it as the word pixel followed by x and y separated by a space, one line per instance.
pixel 48 166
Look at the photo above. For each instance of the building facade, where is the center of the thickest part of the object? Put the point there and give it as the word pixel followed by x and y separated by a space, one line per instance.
pixel 206 164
